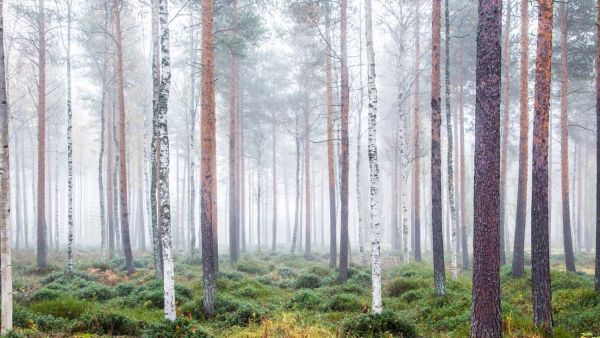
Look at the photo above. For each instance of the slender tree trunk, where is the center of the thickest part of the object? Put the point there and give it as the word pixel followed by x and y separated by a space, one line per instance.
pixel 41 155
pixel 6 322
pixel 25 198
pixel 242 174
pixel 417 138
pixel 192 139
pixel 542 312
pixel 518 263
pixel 330 151
pixel 436 161
pixel 345 105
pixel 18 189
pixel 505 132
pixel 69 145
pixel 450 149
pixel 462 189
pixel 233 179
pixel 101 197
pixel 597 260
pixel 359 112
pixel 307 184
pixel 274 151
pixel 373 165
pixel 564 141
pixel 122 143
pixel 208 172
pixel 486 320
pixel 298 189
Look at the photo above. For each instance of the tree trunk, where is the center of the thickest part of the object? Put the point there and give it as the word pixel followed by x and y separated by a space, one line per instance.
pixel 450 149
pixel 6 287
pixel 122 143
pixel 163 173
pixel 417 138
pixel 330 151
pixel 462 189
pixel 274 151
pixel 486 320
pixel 41 155
pixel 101 197
pixel 597 260
pixel 359 112
pixel 564 141
pixel 307 186
pixel 505 132
pixel 542 312
pixel 436 161
pixel 69 145
pixel 192 140
pixel 208 172
pixel 518 263
pixel 373 165
pixel 234 240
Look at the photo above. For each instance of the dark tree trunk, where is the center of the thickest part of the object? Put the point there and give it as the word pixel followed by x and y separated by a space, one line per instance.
pixel 486 319
pixel 540 260
pixel 564 142
pixel 518 263
pixel 436 155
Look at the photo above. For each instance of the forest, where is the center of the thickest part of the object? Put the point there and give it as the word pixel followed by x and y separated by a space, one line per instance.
pixel 300 168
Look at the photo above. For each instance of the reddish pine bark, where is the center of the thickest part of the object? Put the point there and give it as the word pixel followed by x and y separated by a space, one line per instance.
pixel 540 260
pixel 486 320
pixel 436 156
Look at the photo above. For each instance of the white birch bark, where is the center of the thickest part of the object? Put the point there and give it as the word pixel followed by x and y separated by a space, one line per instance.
pixel 373 165
pixel 5 231
pixel 161 123
pixel 69 145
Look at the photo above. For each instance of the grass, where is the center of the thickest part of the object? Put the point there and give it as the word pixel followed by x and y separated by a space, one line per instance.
pixel 281 296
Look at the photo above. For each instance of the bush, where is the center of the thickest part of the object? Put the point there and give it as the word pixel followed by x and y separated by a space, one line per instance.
pixel 65 307
pixel 46 294
pixel 181 327
pixel 107 323
pixel 124 289
pixel 305 300
pixel 95 291
pixel 252 266
pixel 286 272
pixel 308 281
pixel 343 302
pixel 25 319
pixel 319 270
pixel 410 296
pixel 378 325
pixel 238 312
pixel 399 286
pixel 360 278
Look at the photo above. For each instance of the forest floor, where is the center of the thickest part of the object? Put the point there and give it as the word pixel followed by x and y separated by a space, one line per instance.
pixel 279 296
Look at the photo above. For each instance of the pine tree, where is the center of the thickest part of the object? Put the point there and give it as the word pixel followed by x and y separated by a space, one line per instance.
pixel 41 155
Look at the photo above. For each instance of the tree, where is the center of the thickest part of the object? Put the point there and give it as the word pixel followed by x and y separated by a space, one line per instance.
pixel 274 164
pixel 461 146
pixel 504 133
pixel 373 164
pixel 234 213
pixel 6 286
pixel 518 263
pixel 123 194
pixel 208 170
pixel 330 153
pixel 436 161
pixel 485 319
pixel 450 149
pixel 344 160
pixel 69 143
pixel 597 275
pixel 416 142
pixel 564 140
pixel 41 155
pixel 540 260
pixel 307 195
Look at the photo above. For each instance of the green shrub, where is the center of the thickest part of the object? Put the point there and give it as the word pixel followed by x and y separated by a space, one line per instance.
pixel 252 266
pixel 181 327
pixel 410 296
pixel 399 286
pixel 107 323
pixel 308 281
pixel 360 278
pixel 343 302
pixel 25 319
pixel 124 289
pixel 250 289
pixel 46 294
pixel 65 307
pixel 568 280
pixel 231 275
pixel 287 272
pixel 305 299
pixel 238 312
pixel 378 325
pixel 95 291
pixel 319 270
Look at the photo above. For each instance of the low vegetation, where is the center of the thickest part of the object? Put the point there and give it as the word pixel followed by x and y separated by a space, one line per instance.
pixel 282 296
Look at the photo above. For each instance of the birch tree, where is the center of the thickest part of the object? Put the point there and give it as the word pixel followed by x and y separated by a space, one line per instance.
pixel 373 165
pixel 41 154
pixel 6 287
